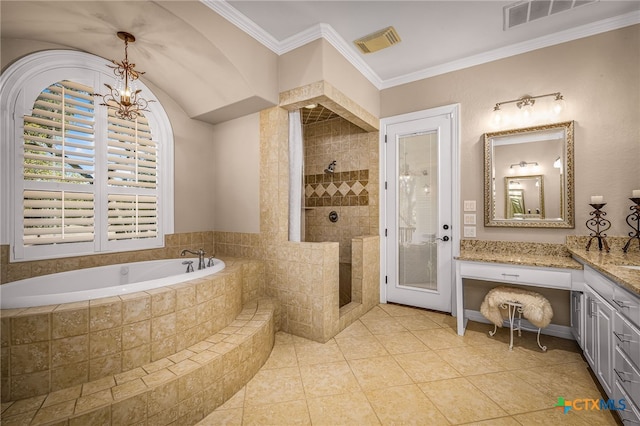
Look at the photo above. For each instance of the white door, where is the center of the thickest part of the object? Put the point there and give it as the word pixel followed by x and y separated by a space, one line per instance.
pixel 419 166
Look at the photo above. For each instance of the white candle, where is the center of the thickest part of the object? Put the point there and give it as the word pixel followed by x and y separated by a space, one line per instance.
pixel 635 193
pixel 597 199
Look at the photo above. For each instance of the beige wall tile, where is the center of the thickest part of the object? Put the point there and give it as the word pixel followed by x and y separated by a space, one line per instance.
pixel 136 334
pixel 105 313
pixel 69 350
pixel 130 410
pixel 163 301
pixel 27 385
pixel 30 328
pixel 136 357
pixel 29 358
pixel 69 322
pixel 69 375
pixel 135 307
pixel 105 366
pixel 105 342
pixel 101 416
pixel 163 327
pixel 162 397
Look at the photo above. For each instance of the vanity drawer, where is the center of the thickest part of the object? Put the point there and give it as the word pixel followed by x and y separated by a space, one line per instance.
pixel 630 415
pixel 627 337
pixel 627 304
pixel 627 376
pixel 517 275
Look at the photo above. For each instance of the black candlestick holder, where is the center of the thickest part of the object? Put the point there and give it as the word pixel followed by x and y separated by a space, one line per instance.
pixel 633 217
pixel 598 224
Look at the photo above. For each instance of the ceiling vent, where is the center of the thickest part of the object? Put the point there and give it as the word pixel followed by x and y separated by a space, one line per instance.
pixel 526 11
pixel 378 40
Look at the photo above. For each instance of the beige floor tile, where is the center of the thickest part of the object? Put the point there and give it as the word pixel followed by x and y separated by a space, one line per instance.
pixel 478 334
pixel 354 329
pixel 309 352
pixel 440 338
pixel 400 343
pixel 375 312
pixel 417 322
pixel 554 383
pixel 379 372
pixel 460 401
pixel 509 359
pixel 285 413
pixel 501 421
pixel 273 386
pixel 507 390
pixel 281 356
pixel 469 360
pixel 426 366
pixel 405 405
pixel 229 417
pixel 556 416
pixel 358 347
pixel 385 325
pixel 283 338
pixel 400 310
pixel 346 409
pixel 236 401
pixel 328 379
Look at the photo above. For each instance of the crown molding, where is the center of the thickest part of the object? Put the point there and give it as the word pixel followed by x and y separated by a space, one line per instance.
pixel 587 30
pixel 326 32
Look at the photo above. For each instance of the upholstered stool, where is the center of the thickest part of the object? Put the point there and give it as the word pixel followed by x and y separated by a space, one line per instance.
pixel 505 302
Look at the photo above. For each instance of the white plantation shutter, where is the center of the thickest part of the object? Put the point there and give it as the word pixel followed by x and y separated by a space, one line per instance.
pixel 132 216
pixel 59 135
pixel 54 217
pixel 132 166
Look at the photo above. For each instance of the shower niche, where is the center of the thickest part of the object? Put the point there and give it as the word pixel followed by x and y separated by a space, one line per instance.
pixel 338 186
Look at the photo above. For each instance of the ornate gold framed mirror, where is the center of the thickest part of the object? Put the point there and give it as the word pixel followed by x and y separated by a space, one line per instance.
pixel 528 177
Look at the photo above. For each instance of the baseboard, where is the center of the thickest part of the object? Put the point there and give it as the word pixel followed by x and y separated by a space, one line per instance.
pixel 551 330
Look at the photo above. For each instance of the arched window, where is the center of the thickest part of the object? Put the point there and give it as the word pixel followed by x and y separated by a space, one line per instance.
pixel 76 179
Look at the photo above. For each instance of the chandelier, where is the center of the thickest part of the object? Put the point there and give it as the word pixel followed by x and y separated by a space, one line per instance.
pixel 125 98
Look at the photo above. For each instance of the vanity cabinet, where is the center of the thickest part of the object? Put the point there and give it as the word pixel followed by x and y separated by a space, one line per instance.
pixel 598 337
pixel 611 340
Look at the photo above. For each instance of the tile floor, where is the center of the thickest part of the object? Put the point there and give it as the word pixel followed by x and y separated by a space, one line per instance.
pixel 398 365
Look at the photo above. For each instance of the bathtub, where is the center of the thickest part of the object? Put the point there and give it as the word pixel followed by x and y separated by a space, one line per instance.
pixel 103 281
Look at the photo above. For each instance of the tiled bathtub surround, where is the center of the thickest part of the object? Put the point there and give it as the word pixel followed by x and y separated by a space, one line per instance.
pixel 174 243
pixel 49 348
pixel 179 389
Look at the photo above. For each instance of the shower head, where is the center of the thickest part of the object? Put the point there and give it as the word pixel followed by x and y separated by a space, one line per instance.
pixel 331 167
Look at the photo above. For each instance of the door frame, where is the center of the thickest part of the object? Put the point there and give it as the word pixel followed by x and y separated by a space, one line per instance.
pixel 453 110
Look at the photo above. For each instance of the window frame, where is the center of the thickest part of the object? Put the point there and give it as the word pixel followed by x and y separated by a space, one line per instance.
pixel 20 84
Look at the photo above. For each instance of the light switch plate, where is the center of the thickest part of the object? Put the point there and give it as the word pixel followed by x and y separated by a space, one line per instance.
pixel 469 205
pixel 470 219
pixel 469 232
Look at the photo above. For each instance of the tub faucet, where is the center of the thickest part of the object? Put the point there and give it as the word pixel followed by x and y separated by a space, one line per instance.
pixel 200 253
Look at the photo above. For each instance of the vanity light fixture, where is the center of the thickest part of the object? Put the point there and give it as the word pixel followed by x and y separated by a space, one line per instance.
pixel 311 106
pixel 524 164
pixel 125 98
pixel 525 106
pixel 557 164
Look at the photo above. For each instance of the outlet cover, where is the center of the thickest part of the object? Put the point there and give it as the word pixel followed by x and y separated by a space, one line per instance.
pixel 469 205
pixel 469 218
pixel 469 232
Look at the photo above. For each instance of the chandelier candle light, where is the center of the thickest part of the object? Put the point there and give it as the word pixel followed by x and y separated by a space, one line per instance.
pixel 125 99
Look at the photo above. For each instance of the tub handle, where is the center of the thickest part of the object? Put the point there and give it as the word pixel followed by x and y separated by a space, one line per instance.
pixel 210 262
pixel 189 264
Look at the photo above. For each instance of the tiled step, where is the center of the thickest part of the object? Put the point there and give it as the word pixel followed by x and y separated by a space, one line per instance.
pixel 179 389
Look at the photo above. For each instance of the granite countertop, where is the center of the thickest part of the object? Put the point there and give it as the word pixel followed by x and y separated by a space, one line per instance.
pixel 610 264
pixel 561 256
pixel 518 253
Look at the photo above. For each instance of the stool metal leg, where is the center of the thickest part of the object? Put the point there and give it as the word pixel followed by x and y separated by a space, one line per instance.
pixel 544 348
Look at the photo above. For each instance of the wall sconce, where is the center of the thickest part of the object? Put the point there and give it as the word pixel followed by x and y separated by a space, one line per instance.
pixel 525 108
pixel 124 97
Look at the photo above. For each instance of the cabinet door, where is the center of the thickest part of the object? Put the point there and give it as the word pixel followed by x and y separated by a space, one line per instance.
pixel 604 345
pixel 589 338
pixel 576 316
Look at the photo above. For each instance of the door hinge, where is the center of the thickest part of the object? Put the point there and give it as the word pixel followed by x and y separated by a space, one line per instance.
pixel 385 232
pixel 386 279
pixel 385 185
pixel 385 138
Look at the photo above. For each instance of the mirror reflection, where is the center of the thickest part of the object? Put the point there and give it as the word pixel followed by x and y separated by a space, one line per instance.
pixel 529 177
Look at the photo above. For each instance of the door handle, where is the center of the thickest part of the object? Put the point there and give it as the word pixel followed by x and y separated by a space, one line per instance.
pixel 445 238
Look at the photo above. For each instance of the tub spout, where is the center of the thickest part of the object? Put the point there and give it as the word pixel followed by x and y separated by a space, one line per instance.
pixel 200 253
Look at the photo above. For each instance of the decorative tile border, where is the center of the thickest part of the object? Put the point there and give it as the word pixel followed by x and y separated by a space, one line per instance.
pixel 337 189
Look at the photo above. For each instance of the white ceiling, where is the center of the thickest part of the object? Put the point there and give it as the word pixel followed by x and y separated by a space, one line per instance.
pixel 437 36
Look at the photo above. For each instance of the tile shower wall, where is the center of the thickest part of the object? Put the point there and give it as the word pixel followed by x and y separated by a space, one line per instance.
pixel 352 191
